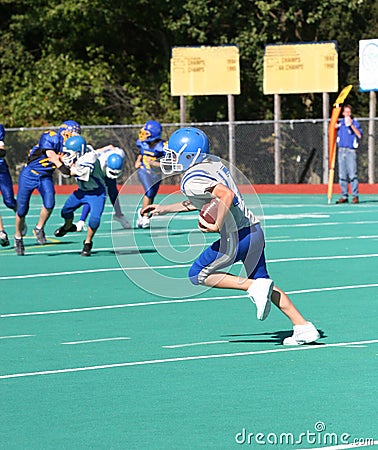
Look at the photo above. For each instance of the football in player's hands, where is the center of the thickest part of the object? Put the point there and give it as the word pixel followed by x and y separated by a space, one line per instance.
pixel 208 214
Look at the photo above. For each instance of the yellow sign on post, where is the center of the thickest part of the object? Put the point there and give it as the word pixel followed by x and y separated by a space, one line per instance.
pixel 300 68
pixel 205 70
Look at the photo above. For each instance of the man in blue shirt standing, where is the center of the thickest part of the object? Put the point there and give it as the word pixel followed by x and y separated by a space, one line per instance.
pixel 348 137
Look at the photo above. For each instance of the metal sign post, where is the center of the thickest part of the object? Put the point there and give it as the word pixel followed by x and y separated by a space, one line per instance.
pixel 296 69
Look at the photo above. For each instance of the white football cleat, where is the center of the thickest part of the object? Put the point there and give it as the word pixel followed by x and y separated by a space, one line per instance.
pixel 303 334
pixel 259 292
pixel 80 226
pixel 4 240
pixel 123 221
pixel 139 219
pixel 145 222
pixel 142 221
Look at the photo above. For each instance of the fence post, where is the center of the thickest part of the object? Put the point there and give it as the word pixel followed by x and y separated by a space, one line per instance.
pixel 231 133
pixel 325 136
pixel 277 139
pixel 182 110
pixel 372 109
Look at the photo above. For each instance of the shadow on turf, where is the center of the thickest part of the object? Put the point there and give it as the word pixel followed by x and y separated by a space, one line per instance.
pixel 368 201
pixel 48 243
pixel 136 230
pixel 124 252
pixel 108 252
pixel 274 337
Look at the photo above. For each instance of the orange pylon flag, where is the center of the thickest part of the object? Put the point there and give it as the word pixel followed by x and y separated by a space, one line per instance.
pixel 332 135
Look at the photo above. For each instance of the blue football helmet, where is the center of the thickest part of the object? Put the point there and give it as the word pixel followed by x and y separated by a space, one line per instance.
pixel 151 131
pixel 69 128
pixel 186 147
pixel 74 147
pixel 114 165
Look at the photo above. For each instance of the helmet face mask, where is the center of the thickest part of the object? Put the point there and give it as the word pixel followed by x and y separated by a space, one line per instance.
pixel 75 147
pixel 169 164
pixel 186 147
pixel 113 173
pixel 151 131
pixel 69 157
pixel 68 129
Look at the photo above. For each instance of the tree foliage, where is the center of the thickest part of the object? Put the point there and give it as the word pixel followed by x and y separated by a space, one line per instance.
pixel 108 61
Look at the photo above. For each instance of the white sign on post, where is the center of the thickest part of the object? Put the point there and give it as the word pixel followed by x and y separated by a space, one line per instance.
pixel 368 69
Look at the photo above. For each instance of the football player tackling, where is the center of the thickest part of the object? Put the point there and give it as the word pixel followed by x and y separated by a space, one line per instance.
pixel 241 237
pixel 85 167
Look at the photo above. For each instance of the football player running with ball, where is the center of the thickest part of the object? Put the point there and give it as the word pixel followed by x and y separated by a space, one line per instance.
pixel 241 237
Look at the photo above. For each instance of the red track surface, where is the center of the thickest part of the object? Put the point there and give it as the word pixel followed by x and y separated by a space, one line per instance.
pixel 364 188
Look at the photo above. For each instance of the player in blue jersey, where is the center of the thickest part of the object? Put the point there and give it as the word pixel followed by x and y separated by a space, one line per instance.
pixel 241 237
pixel 37 173
pixel 6 187
pixel 85 167
pixel 112 160
pixel 151 149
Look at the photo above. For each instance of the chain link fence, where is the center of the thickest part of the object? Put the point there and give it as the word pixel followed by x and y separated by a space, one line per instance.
pixel 301 148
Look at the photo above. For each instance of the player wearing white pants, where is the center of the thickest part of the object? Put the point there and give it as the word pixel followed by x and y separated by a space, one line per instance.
pixel 241 237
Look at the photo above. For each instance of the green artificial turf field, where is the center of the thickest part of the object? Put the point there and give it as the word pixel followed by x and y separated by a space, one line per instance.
pixel 120 351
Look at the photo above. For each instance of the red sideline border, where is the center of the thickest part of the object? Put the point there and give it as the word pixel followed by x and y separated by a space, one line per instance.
pixel 364 188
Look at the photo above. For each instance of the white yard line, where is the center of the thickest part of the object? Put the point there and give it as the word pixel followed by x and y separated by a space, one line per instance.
pixel 125 305
pixel 177 266
pixel 316 239
pixel 323 224
pixel 121 338
pixel 17 336
pixel 181 359
pixel 193 344
pixel 171 302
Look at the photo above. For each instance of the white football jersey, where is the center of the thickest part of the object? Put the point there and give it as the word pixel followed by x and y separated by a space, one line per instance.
pixel 88 173
pixel 104 155
pixel 197 181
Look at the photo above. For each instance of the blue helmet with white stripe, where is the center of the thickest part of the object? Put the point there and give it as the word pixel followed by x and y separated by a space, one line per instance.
pixel 74 147
pixel 114 165
pixel 76 144
pixel 186 147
